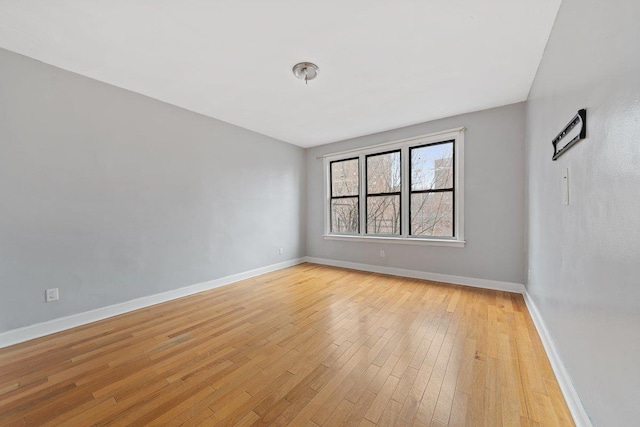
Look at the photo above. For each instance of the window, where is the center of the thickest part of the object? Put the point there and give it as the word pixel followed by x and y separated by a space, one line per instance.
pixel 345 190
pixel 410 191
pixel 432 191
pixel 383 193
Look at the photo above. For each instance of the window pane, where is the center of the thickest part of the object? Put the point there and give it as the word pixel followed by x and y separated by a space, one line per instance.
pixel 432 214
pixel 432 167
pixel 344 215
pixel 383 173
pixel 345 180
pixel 383 214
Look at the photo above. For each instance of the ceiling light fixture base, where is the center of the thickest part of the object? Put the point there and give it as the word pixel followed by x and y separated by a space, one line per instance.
pixel 306 71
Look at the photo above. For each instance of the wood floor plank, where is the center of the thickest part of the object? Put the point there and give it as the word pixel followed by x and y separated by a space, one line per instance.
pixel 307 345
pixel 384 396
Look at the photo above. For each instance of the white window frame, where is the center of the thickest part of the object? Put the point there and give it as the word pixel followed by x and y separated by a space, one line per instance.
pixel 456 135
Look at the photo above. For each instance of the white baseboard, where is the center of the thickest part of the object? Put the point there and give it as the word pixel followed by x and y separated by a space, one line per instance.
pixel 580 417
pixel 456 280
pixel 27 333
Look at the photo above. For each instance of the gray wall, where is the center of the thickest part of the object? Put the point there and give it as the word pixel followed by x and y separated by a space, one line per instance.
pixel 110 195
pixel 584 258
pixel 494 201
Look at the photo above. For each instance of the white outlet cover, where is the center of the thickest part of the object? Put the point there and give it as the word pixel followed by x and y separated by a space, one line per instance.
pixel 51 295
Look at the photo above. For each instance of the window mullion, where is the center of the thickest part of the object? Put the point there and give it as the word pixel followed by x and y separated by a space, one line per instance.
pixel 327 196
pixel 362 201
pixel 405 219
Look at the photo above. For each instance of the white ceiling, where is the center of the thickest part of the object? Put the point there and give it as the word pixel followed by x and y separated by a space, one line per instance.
pixel 383 64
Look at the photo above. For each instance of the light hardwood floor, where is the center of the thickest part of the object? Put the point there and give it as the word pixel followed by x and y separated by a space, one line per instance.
pixel 306 346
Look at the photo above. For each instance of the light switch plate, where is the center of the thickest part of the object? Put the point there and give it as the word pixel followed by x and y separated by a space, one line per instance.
pixel 565 186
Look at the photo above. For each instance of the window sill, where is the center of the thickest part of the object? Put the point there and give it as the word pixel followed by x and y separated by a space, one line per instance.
pixel 396 240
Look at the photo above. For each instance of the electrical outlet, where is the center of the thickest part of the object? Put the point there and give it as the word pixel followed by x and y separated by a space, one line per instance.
pixel 281 251
pixel 382 254
pixel 51 295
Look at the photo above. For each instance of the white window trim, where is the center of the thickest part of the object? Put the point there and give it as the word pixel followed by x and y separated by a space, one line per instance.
pixel 454 134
